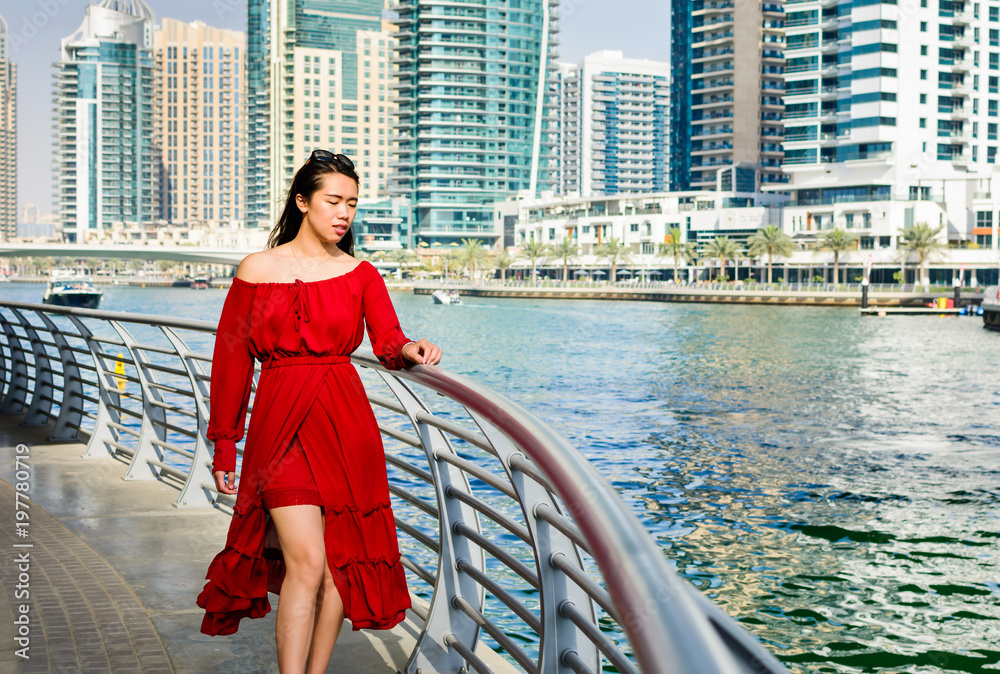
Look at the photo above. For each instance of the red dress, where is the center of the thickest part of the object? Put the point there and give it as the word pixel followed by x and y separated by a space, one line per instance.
pixel 311 399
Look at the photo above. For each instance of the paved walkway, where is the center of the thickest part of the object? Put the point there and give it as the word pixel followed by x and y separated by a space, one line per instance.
pixel 114 570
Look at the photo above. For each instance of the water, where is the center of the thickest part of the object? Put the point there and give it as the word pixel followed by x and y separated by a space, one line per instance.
pixel 831 481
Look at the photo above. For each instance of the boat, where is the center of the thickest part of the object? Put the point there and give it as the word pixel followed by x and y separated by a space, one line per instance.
pixel 991 308
pixel 68 289
pixel 181 283
pixel 446 297
pixel 200 282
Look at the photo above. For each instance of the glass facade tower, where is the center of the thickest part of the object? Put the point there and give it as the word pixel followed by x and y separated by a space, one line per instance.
pixel 680 94
pixel 318 75
pixel 108 165
pixel 476 111
pixel 258 175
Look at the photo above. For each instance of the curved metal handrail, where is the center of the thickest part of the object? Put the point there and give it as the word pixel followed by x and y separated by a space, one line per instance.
pixel 504 477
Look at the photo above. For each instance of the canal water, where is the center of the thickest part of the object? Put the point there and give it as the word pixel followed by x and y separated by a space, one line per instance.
pixel 831 481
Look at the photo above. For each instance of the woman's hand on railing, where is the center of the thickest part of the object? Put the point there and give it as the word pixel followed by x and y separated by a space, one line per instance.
pixel 225 482
pixel 422 352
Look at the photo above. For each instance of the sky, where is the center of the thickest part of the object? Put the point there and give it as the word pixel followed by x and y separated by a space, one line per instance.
pixel 638 28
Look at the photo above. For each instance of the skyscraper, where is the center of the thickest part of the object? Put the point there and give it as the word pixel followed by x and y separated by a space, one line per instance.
pixel 890 115
pixel 732 54
pixel 474 111
pixel 8 140
pixel 108 164
pixel 199 121
pixel 680 95
pixel 613 125
pixel 318 77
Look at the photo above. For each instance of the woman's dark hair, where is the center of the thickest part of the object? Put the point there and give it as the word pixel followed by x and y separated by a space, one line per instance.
pixel 308 179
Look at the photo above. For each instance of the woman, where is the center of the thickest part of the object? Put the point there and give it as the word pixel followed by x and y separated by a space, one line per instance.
pixel 312 517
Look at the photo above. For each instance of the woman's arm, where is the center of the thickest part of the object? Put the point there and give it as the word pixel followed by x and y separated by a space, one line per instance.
pixel 232 375
pixel 392 348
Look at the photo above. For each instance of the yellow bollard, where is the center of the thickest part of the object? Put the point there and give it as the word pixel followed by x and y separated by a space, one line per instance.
pixel 120 370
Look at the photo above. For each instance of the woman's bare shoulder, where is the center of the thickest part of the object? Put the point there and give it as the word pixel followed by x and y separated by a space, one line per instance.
pixel 258 267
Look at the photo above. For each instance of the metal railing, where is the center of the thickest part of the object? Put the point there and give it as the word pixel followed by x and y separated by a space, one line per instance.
pixel 509 532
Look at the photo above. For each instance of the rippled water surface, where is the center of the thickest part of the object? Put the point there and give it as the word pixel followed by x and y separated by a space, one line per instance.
pixel 831 481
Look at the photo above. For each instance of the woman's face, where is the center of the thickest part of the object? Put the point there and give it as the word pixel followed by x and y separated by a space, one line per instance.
pixel 331 209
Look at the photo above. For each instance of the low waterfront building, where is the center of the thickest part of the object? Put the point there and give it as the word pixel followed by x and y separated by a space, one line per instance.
pixel 643 221
pixel 231 235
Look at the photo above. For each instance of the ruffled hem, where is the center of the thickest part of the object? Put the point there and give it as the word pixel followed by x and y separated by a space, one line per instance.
pixel 236 589
pixel 371 584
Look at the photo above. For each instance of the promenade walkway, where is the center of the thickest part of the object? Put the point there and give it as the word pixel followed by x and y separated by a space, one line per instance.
pixel 114 570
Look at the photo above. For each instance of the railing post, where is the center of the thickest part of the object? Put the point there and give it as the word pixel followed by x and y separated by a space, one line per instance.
pixel 193 494
pixel 15 400
pixel 445 620
pixel 107 412
pixel 40 407
pixel 145 448
pixel 71 403
pixel 559 636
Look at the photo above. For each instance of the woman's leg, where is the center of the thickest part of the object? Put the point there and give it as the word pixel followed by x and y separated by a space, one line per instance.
pixel 329 620
pixel 300 533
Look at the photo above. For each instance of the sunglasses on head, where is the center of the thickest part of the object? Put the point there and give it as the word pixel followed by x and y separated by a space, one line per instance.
pixel 326 155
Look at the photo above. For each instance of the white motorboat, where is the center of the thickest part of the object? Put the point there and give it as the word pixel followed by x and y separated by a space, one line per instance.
pixel 68 289
pixel 446 297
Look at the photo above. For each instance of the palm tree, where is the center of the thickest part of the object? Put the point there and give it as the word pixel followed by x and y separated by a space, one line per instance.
pixel 471 254
pixel 838 241
pixel 503 260
pixel 534 250
pixel 922 240
pixel 675 248
pixel 770 241
pixel 400 256
pixel 614 251
pixel 722 248
pixel 567 250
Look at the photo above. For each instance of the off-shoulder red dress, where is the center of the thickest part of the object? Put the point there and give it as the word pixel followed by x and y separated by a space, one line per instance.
pixel 309 395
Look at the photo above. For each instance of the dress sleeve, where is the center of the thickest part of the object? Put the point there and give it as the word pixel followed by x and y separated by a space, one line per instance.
pixel 232 375
pixel 384 333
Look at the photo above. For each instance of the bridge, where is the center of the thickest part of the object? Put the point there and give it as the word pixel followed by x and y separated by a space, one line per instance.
pixel 195 254
pixel 520 555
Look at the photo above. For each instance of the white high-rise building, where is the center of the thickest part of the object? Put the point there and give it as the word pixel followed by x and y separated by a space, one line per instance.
pixel 613 125
pixel 891 116
pixel 8 140
pixel 108 161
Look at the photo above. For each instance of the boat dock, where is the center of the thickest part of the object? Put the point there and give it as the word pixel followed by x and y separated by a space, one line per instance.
pixel 795 294
pixel 912 311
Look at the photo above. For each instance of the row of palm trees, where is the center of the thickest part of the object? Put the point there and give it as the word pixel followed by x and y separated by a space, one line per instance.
pixel 768 242
pixel 772 242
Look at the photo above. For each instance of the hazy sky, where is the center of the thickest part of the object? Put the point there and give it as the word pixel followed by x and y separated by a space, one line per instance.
pixel 639 28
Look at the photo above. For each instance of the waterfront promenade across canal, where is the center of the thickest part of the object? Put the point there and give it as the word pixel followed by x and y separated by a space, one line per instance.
pixel 793 294
pixel 520 556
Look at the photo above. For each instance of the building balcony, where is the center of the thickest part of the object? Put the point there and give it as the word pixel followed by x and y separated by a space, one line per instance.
pixel 714 23
pixel 705 8
pixel 713 149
